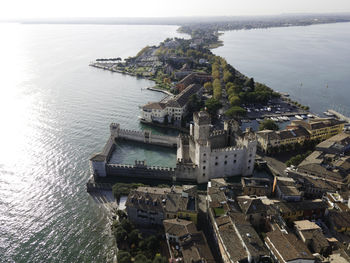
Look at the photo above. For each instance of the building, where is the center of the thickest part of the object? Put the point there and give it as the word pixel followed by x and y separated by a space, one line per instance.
pixel 340 221
pixel 256 186
pixel 311 234
pixel 268 139
pixel 149 206
pixel 287 248
pixel 298 132
pixel 307 209
pixel 329 166
pixel 321 128
pixel 235 238
pixel 338 144
pixel 186 244
pixel 221 153
pixel 253 209
pixel 172 110
pixel 286 190
pixel 201 156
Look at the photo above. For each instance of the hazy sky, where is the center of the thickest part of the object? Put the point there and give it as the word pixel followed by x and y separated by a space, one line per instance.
pixel 163 8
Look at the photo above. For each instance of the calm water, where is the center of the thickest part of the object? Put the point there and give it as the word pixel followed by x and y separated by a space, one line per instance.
pixel 55 112
pixel 299 60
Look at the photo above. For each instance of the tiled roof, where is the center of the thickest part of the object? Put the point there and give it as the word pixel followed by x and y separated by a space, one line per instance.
pixel 179 227
pixel 286 246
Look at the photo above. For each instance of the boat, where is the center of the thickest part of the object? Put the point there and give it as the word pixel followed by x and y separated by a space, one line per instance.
pixel 310 116
pixel 328 114
pixel 281 119
pixel 303 116
pixel 286 118
pixel 298 117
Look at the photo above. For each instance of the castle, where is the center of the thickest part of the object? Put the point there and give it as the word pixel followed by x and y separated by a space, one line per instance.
pixel 221 153
pixel 201 155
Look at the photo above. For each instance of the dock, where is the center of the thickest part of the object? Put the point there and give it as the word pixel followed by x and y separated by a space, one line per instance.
pixel 339 115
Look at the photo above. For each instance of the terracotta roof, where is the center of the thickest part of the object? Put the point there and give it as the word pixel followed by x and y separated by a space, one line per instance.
pixel 154 105
pixel 286 246
pixel 179 227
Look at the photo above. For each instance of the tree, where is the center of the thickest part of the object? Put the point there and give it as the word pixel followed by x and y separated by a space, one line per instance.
pixel 217 89
pixel 234 100
pixel 250 83
pixel 233 88
pixel 159 259
pixel 120 234
pixel 208 87
pixel 235 112
pixel 152 244
pixel 268 125
pixel 213 106
pixel 126 224
pixel 227 76
pixel 134 237
pixel 123 257
pixel 140 258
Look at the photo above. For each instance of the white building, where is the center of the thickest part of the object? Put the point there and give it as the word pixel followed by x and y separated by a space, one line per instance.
pixel 173 109
pixel 221 153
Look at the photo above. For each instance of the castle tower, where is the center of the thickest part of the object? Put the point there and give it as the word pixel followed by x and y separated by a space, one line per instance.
pixel 114 129
pixel 201 127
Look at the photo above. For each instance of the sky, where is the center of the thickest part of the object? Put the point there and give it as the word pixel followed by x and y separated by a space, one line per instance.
pixel 12 9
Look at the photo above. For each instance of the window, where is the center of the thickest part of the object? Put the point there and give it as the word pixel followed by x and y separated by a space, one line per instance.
pixel 234 161
pixel 204 161
pixel 235 155
pixel 248 167
pixel 225 162
pixel 216 157
pixel 250 155
pixel 204 154
pixel 250 161
pixel 203 174
pixel 225 156
pixel 216 163
pixel 203 167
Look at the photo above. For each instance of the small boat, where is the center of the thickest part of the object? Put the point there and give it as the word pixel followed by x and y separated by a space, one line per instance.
pixel 280 118
pixel 298 117
pixel 286 118
pixel 310 115
pixel 303 116
pixel 328 114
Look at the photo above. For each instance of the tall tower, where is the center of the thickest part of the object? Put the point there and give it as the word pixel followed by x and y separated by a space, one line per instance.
pixel 201 126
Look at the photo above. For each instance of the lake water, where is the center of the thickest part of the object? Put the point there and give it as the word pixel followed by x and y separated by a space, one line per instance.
pixel 55 113
pixel 301 61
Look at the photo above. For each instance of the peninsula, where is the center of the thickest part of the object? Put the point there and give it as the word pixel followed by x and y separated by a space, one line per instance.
pixel 236 194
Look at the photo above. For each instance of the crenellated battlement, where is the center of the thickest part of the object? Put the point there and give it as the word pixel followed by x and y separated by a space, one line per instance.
pixel 145 167
pixel 217 133
pixel 228 149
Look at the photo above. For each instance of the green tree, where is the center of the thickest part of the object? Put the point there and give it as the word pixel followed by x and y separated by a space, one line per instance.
pixel 123 257
pixel 217 89
pixel 159 259
pixel 208 86
pixel 152 244
pixel 235 112
pixel 134 237
pixel 120 234
pixel 250 83
pixel 126 224
pixel 213 106
pixel 227 77
pixel 268 125
pixel 140 258
pixel 234 100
